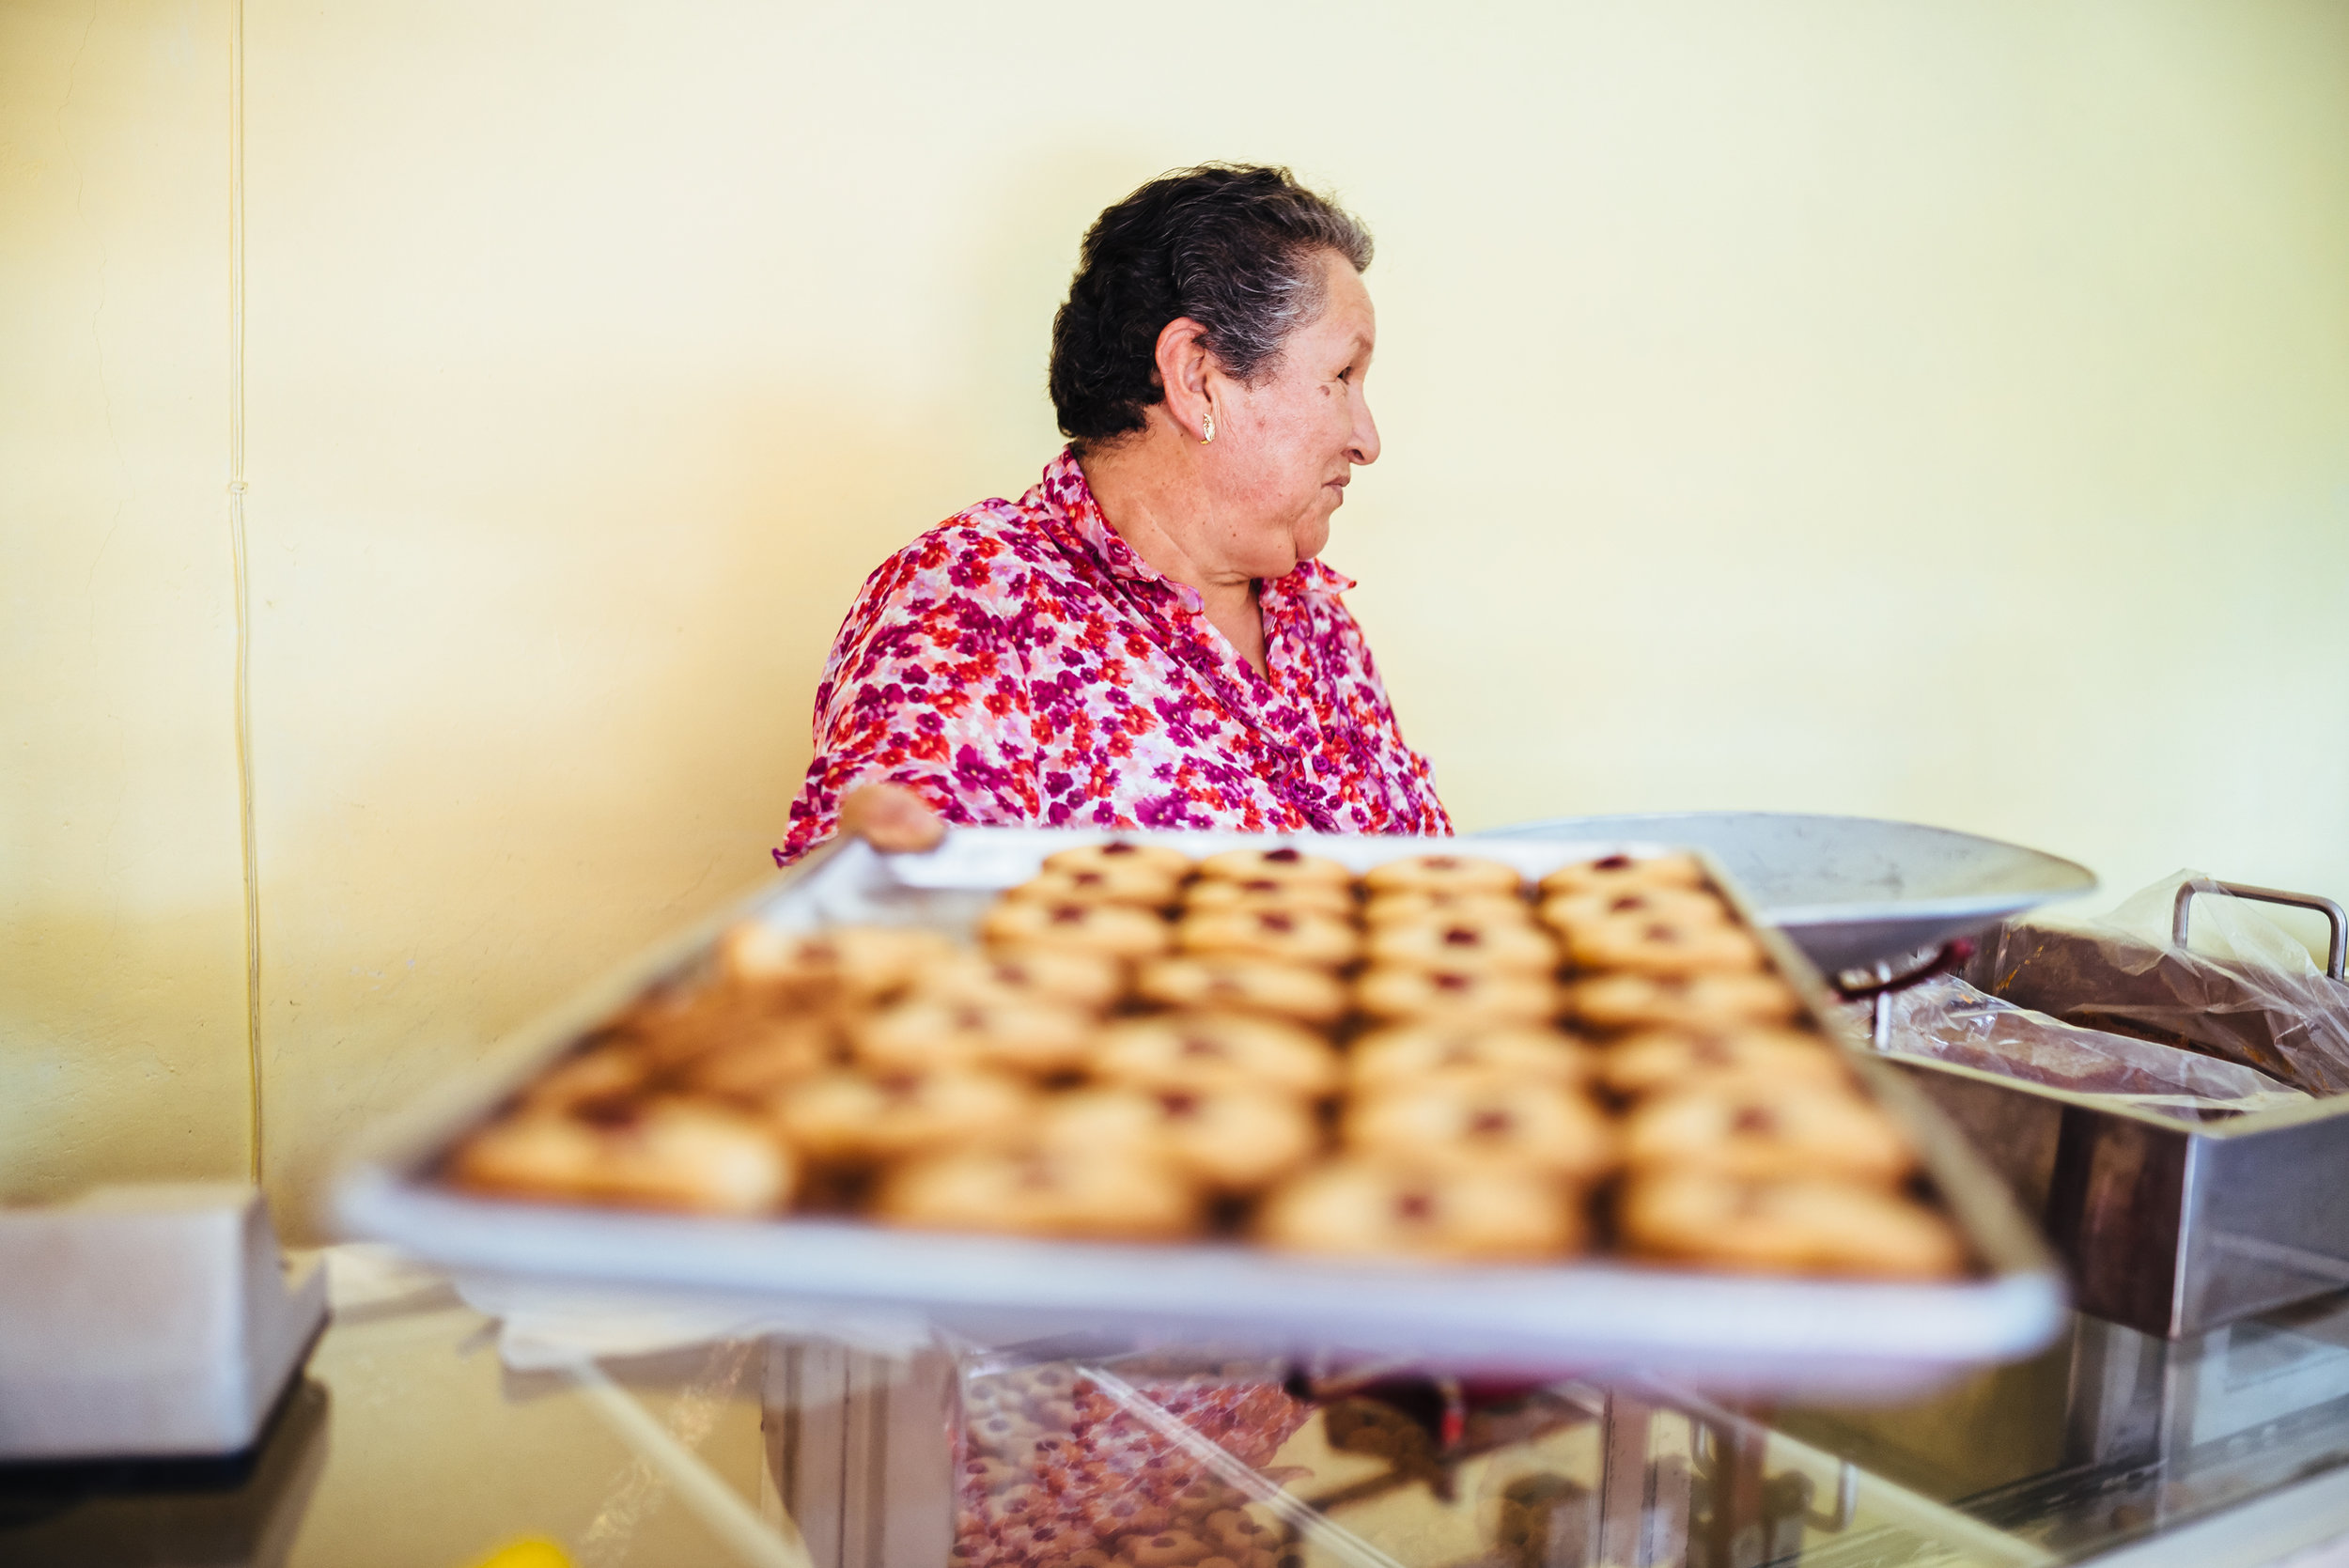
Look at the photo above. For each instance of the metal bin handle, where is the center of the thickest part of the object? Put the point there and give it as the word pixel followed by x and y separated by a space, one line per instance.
pixel 2337 955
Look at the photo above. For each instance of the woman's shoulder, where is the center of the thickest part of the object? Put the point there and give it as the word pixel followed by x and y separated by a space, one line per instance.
pixel 985 550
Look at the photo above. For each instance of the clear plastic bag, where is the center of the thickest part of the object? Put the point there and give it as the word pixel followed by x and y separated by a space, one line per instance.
pixel 2243 991
pixel 1952 1021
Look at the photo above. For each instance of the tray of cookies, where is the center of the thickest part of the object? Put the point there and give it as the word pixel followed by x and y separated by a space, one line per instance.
pixel 1503 1102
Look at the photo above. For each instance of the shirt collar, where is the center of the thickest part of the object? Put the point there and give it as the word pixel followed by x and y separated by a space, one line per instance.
pixel 1070 503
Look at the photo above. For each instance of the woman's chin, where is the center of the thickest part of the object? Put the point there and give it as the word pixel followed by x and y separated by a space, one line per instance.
pixel 1311 536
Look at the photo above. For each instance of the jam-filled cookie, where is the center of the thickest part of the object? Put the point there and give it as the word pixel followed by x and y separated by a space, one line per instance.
pixel 664 1153
pixel 1215 1052
pixel 1372 1208
pixel 1214 895
pixel 1547 1130
pixel 1789 1227
pixel 1124 857
pixel 1137 886
pixel 1763 1132
pixel 610 1068
pixel 1442 873
pixel 1023 1037
pixel 1283 863
pixel 1688 1002
pixel 1408 908
pixel 1112 930
pixel 773 1055
pixel 1407 991
pixel 1614 872
pixel 864 962
pixel 1455 944
pixel 1040 976
pixel 1251 984
pixel 1438 1054
pixel 1645 944
pixel 1228 1139
pixel 1573 912
pixel 856 1118
pixel 1045 1192
pixel 1285 936
pixel 1661 1060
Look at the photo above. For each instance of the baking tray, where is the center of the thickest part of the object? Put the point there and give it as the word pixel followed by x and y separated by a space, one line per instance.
pixel 2168 1225
pixel 1853 891
pixel 1730 1332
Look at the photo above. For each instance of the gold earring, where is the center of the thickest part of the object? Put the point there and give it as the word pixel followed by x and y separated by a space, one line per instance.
pixel 1211 435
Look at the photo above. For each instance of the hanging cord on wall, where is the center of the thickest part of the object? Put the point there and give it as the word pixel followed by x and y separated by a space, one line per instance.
pixel 245 592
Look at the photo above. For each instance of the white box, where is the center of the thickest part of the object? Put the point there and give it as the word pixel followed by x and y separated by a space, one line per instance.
pixel 149 1321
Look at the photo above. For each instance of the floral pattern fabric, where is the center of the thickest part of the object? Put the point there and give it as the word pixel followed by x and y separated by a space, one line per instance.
pixel 1021 665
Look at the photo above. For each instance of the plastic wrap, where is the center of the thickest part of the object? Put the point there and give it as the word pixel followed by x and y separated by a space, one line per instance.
pixel 2244 991
pixel 1952 1021
pixel 1153 1463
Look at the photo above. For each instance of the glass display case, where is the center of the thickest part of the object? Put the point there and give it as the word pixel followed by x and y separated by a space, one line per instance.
pixel 425 1433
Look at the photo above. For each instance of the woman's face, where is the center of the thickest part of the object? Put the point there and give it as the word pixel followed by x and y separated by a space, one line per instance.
pixel 1284 448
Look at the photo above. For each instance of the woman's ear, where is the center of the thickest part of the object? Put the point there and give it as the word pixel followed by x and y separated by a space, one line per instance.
pixel 1184 366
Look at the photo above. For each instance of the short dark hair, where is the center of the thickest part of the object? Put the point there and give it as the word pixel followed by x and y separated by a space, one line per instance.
pixel 1233 246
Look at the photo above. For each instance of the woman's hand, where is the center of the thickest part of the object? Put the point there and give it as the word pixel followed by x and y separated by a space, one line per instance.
pixel 892 818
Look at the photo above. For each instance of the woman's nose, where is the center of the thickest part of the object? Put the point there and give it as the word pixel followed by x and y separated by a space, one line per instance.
pixel 1365 447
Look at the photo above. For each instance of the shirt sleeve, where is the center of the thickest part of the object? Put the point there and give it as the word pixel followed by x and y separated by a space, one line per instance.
pixel 924 688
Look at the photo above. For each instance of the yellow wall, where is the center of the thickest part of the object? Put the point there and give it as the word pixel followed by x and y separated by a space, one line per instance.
pixel 1937 412
pixel 122 1020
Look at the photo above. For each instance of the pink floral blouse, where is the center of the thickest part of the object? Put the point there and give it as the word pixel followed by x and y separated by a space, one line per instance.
pixel 1021 665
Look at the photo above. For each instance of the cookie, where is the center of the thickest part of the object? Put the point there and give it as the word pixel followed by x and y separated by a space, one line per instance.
pixel 1021 1037
pixel 1547 1131
pixel 1571 911
pixel 1659 1060
pixel 1281 863
pixel 1442 873
pixel 1211 893
pixel 1226 1140
pixel 1111 930
pixel 864 962
pixel 1214 1053
pixel 1166 1549
pixel 1371 1209
pixel 610 1068
pixel 1617 872
pixel 673 1028
pixel 1397 909
pixel 1406 991
pixel 856 1118
pixel 664 1153
pixel 1124 856
pixel 1466 1053
pixel 1791 1227
pixel 1691 1001
pixel 1763 1132
pixel 1285 936
pixel 1455 942
pixel 771 1055
pixel 1647 944
pixel 1040 976
pixel 1251 984
pixel 1136 885
pixel 1060 1192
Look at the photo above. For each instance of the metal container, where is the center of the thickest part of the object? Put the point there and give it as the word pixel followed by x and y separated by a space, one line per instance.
pixel 1852 890
pixel 1749 1331
pixel 2170 1226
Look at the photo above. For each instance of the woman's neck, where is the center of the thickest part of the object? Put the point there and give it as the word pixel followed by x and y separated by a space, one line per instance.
pixel 1149 490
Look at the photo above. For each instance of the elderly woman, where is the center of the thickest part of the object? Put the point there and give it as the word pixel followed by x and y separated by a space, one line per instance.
pixel 1145 639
